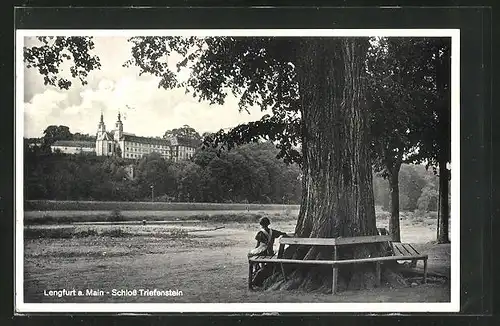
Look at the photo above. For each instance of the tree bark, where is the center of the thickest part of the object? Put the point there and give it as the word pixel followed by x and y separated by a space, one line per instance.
pixel 443 201
pixel 338 195
pixel 337 198
pixel 394 228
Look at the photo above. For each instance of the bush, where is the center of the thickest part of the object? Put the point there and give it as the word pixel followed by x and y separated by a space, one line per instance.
pixel 43 220
pixel 57 233
pixel 432 215
pixel 418 220
pixel 238 217
pixel 115 216
pixel 178 233
pixel 51 233
pixel 115 233
pixel 85 233
pixel 418 213
pixel 383 215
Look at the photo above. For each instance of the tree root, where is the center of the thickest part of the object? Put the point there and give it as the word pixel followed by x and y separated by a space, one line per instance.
pixel 393 279
pixel 319 278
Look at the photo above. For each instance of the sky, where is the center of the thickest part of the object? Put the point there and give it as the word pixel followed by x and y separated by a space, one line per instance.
pixel 146 110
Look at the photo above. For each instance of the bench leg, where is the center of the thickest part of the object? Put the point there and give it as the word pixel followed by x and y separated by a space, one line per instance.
pixel 334 279
pixel 283 271
pixel 378 272
pixel 425 270
pixel 250 272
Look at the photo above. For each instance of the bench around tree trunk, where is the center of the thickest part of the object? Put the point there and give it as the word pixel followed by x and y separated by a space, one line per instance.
pixel 398 254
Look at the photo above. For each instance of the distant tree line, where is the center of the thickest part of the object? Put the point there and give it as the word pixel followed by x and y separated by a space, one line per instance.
pixel 249 173
pixel 53 133
pixel 418 191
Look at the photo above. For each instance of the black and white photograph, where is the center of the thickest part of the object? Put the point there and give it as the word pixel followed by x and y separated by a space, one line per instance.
pixel 238 170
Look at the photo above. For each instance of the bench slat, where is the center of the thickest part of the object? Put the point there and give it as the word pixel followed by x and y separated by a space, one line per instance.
pixel 335 262
pixel 415 252
pixel 405 248
pixel 397 249
pixel 363 239
pixel 308 241
pixel 335 241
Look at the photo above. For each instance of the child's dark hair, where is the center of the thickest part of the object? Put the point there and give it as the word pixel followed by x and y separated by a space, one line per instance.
pixel 264 221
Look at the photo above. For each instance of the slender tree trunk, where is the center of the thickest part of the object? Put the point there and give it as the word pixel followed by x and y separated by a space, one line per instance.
pixel 443 76
pixel 337 198
pixel 443 201
pixel 394 229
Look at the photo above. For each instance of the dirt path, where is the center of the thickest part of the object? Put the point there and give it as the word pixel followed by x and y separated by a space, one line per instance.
pixel 206 267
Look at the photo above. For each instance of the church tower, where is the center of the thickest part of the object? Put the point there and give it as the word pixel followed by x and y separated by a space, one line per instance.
pixel 118 129
pixel 104 145
pixel 101 127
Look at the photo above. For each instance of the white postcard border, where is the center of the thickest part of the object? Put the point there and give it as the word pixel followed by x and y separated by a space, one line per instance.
pixel 452 306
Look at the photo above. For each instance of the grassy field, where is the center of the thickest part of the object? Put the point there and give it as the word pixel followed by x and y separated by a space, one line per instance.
pixel 203 255
pixel 58 205
pixel 65 217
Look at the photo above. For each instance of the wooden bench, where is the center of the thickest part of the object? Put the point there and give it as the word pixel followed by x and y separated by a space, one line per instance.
pixel 401 249
pixel 335 262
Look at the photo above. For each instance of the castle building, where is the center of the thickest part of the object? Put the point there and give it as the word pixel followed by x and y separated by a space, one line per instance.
pixel 129 146
pixel 73 147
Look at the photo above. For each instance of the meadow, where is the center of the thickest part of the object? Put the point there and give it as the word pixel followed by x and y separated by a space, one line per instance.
pixel 73 205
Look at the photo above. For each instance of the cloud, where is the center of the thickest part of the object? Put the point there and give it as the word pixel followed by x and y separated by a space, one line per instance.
pixel 146 109
pixel 39 111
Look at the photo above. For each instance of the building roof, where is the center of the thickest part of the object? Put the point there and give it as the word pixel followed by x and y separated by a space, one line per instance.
pixel 74 143
pixel 188 142
pixel 105 136
pixel 146 140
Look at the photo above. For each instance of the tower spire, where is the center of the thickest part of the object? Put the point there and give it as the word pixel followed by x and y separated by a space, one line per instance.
pixel 101 127
pixel 118 128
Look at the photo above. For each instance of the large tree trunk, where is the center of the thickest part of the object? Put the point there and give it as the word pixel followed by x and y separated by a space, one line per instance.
pixel 337 185
pixel 443 202
pixel 337 197
pixel 394 229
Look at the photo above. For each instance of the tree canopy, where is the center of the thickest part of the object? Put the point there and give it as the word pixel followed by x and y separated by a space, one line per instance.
pixel 54 133
pixel 52 53
pixel 184 132
pixel 403 95
pixel 259 71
